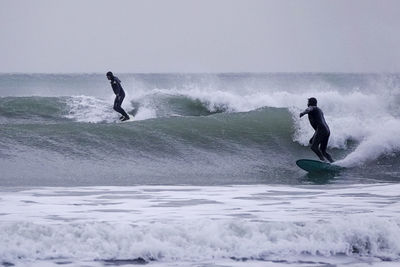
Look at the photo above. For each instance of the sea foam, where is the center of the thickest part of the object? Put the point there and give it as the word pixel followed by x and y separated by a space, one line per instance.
pixel 200 240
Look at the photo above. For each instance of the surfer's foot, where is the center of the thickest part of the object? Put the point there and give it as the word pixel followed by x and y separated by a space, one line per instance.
pixel 328 157
pixel 120 118
pixel 124 118
pixel 327 160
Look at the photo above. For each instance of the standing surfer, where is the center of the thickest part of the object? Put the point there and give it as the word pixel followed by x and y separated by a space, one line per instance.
pixel 319 141
pixel 119 95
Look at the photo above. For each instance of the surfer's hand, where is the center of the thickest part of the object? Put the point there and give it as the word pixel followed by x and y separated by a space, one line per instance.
pixel 301 114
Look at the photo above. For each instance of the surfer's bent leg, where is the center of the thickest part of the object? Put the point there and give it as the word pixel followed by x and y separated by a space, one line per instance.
pixel 324 144
pixel 312 138
pixel 117 106
pixel 316 141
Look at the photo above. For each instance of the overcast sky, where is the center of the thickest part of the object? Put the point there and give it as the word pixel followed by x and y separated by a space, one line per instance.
pixel 200 36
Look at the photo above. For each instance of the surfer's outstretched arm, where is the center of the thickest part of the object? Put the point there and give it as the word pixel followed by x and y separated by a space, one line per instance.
pixel 308 110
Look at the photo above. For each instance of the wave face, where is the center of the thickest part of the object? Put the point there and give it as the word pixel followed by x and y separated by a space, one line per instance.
pixel 193 129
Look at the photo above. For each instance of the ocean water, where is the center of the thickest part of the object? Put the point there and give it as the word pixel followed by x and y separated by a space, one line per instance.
pixel 204 175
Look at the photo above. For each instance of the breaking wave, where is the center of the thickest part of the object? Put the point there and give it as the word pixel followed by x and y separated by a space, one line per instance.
pixel 197 123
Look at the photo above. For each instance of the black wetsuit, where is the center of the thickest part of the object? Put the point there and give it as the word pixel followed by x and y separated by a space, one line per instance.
pixel 319 141
pixel 119 96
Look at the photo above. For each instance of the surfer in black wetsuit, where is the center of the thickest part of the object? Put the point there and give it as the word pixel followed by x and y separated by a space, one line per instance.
pixel 119 95
pixel 319 141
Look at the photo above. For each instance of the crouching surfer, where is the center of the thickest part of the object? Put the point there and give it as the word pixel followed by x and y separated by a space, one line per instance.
pixel 319 141
pixel 119 95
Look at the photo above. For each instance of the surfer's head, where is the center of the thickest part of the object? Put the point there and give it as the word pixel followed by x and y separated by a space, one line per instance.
pixel 312 101
pixel 110 75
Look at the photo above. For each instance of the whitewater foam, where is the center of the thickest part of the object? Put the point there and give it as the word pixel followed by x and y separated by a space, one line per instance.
pixel 95 110
pixel 384 140
pixel 182 223
pixel 89 109
pixel 200 240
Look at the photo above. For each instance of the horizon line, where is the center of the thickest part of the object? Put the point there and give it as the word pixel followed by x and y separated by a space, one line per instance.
pixel 196 73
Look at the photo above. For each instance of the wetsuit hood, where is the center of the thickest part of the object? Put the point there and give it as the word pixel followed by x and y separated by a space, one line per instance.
pixel 312 101
pixel 110 75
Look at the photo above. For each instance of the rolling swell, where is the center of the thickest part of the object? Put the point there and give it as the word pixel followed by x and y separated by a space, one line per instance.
pixel 222 132
pixel 13 109
pixel 191 149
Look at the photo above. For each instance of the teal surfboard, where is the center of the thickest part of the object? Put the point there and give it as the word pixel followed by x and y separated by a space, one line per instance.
pixel 310 165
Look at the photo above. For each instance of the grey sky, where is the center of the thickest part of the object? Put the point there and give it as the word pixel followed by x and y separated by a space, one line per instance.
pixel 200 36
